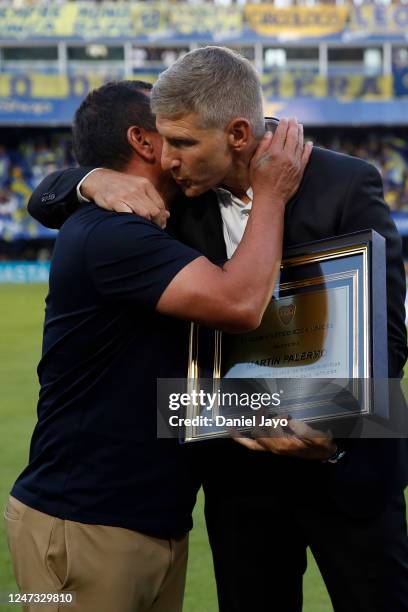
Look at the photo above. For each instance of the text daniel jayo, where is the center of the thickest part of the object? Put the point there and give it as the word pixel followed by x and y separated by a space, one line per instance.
pixel 222 421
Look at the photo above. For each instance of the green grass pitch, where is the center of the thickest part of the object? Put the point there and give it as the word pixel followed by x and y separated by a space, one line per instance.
pixel 21 318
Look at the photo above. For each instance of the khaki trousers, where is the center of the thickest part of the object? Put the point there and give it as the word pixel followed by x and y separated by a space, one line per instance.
pixel 109 569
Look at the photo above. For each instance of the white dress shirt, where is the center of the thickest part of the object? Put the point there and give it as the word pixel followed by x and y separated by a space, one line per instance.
pixel 234 213
pixel 81 198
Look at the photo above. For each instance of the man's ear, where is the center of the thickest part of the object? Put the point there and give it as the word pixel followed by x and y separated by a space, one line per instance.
pixel 139 140
pixel 239 133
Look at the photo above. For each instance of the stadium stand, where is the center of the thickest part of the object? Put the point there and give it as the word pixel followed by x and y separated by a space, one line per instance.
pixel 340 66
pixel 23 167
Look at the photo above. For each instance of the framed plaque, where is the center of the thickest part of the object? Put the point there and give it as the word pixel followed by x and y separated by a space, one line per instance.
pixel 322 339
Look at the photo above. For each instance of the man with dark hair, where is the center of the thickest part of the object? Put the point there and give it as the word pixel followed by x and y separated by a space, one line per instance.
pixel 108 112
pixel 103 507
pixel 264 509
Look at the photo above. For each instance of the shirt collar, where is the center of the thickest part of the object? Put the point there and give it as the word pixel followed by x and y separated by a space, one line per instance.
pixel 226 198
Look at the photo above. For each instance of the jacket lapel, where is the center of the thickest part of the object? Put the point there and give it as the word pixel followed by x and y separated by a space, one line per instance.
pixel 198 223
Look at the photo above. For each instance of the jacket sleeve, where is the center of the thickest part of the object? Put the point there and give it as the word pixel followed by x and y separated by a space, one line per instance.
pixel 365 209
pixel 55 198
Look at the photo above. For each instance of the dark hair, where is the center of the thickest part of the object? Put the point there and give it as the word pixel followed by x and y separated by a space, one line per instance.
pixel 101 122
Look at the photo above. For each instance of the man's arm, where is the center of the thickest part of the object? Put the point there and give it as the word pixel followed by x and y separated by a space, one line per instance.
pixel 233 297
pixel 56 197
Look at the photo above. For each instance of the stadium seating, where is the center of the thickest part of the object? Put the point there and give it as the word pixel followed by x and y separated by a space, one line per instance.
pixel 23 167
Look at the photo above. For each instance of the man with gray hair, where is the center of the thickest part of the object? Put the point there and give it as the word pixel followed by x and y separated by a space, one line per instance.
pixel 264 509
pixel 199 97
pixel 205 82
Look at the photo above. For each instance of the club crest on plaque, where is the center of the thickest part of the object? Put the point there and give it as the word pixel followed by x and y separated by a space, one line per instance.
pixel 286 313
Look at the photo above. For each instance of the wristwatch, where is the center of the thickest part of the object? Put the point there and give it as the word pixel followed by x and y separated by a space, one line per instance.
pixel 336 456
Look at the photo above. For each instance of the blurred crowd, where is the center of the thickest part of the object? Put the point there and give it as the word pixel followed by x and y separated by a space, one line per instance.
pixel 388 153
pixel 22 167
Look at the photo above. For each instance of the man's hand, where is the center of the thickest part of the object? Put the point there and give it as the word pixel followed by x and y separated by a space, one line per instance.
pixel 306 443
pixel 125 193
pixel 279 162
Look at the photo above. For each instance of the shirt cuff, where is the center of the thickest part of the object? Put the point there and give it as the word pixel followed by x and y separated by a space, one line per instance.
pixel 81 198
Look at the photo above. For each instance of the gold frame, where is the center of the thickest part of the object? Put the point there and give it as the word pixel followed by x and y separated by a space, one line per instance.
pixel 193 373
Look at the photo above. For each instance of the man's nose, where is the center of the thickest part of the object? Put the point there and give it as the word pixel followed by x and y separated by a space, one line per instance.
pixel 169 160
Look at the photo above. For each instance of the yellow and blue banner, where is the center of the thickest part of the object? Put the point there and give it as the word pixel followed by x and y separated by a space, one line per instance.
pixel 209 23
pixel 304 22
pixel 372 19
pixel 38 99
pixel 301 84
pixel 127 20
pixel 41 87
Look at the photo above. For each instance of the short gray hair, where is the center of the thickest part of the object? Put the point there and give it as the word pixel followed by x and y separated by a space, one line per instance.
pixel 214 82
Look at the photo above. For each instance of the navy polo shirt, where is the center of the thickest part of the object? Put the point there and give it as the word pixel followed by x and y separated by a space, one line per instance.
pixel 94 456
